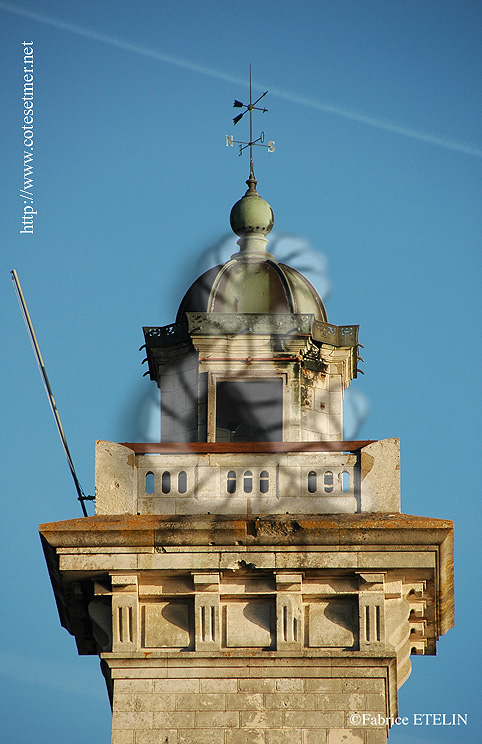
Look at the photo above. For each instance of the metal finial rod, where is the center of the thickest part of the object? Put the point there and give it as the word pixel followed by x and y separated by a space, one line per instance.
pixel 43 372
pixel 251 164
pixel 259 142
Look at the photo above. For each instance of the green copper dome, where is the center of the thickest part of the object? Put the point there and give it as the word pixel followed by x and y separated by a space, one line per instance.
pixel 252 281
pixel 264 286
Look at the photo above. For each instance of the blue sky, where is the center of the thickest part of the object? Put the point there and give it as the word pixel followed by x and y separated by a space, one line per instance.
pixel 375 110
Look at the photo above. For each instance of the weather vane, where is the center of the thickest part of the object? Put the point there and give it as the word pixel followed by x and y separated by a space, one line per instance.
pixel 259 142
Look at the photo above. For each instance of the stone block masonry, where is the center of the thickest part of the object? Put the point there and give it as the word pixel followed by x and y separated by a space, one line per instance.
pixel 241 709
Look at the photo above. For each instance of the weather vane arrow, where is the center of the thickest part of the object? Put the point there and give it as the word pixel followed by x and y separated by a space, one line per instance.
pixel 249 107
pixel 259 142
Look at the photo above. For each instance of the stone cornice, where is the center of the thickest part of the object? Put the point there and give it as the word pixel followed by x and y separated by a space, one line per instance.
pixel 345 532
pixel 329 529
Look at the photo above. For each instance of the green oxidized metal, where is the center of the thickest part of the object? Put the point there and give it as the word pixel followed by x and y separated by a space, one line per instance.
pixel 251 214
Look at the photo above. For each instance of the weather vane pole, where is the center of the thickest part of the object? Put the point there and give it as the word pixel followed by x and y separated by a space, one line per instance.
pixel 259 142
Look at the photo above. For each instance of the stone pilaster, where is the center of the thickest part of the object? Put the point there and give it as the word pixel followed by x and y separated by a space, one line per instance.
pixel 371 604
pixel 125 611
pixel 289 611
pixel 206 612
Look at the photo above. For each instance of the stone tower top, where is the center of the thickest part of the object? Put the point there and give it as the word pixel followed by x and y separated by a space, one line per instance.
pixel 251 356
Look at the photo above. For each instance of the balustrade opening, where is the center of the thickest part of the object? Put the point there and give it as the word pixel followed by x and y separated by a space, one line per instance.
pixel 182 482
pixel 231 482
pixel 264 481
pixel 312 482
pixel 166 482
pixel 149 487
pixel 328 481
pixel 248 481
pixel 345 481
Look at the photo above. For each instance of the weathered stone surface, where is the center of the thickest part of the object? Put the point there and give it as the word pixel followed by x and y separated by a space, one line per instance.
pixel 220 685
pixel 200 736
pixel 332 623
pixel 283 736
pixel 177 685
pixel 375 736
pixel 222 719
pixel 245 736
pixel 169 719
pixel 167 625
pixel 132 720
pixel 245 701
pixel 380 476
pixel 249 624
pixel 363 685
pixel 323 685
pixel 261 719
pixel 290 701
pixel 314 736
pixel 123 737
pixel 301 707
pixel 289 685
pixel 115 479
pixel 316 719
pixel 340 701
pixel 125 687
pixel 154 736
pixel 257 685
pixel 345 736
pixel 154 702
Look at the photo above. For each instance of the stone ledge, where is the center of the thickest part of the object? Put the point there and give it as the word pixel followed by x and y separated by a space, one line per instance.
pixel 309 657
pixel 326 529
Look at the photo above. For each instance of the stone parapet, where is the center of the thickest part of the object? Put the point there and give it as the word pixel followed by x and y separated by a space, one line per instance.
pixel 247 482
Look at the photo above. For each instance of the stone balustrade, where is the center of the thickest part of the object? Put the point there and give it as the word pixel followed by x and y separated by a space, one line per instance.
pixel 217 479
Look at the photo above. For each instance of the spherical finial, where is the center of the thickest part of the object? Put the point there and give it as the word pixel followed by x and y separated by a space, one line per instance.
pixel 251 214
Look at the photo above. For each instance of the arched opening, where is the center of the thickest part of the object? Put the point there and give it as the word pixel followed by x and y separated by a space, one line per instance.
pixel 328 481
pixel 182 482
pixel 231 482
pixel 264 481
pixel 312 482
pixel 149 483
pixel 248 481
pixel 345 481
pixel 166 482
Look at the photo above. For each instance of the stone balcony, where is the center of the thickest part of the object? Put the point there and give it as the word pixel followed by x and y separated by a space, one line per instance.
pixel 248 479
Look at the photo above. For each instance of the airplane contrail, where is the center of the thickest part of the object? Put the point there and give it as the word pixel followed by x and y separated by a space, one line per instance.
pixel 185 64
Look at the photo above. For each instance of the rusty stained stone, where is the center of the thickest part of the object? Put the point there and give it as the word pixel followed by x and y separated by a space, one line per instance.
pixel 333 529
pixel 245 447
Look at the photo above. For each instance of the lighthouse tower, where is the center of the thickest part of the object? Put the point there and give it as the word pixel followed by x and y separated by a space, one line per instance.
pixel 251 578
